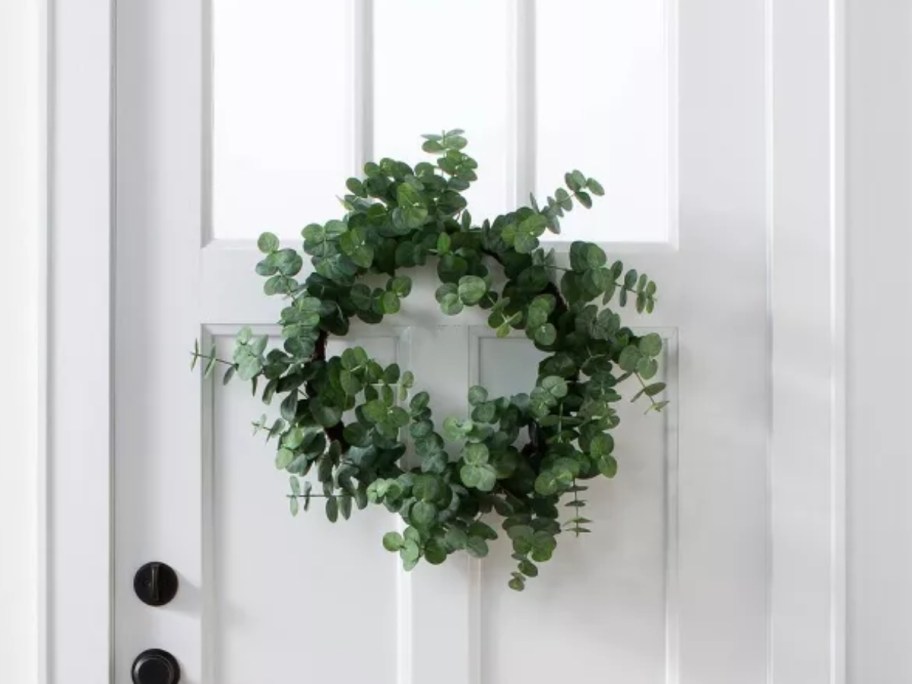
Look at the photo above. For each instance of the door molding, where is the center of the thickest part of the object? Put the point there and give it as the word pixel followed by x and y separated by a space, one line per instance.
pixel 805 176
pixel 77 621
pixel 806 148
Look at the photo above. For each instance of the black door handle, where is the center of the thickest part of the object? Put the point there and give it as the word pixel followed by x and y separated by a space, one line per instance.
pixel 155 583
pixel 155 666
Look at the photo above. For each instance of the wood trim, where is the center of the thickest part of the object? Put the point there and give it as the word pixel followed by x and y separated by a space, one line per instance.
pixel 878 296
pixel 521 150
pixel 361 70
pixel 79 354
pixel 22 305
pixel 807 308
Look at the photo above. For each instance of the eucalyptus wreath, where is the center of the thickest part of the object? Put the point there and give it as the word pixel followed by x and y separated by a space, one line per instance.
pixel 343 418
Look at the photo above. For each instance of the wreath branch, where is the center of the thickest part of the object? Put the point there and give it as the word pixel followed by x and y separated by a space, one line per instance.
pixel 397 217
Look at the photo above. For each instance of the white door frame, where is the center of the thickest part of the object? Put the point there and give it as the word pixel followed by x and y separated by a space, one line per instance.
pixel 77 626
pixel 805 142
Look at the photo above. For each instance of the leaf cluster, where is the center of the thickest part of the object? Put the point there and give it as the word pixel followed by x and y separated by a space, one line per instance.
pixel 345 421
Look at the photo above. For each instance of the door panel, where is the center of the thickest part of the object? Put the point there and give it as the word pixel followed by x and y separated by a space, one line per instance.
pixel 671 586
pixel 604 92
pixel 276 584
pixel 281 139
pixel 606 597
pixel 470 84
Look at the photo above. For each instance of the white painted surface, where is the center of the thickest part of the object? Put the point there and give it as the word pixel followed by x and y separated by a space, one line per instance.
pixel 423 78
pixel 606 104
pixel 878 211
pixel 807 444
pixel 611 609
pixel 281 136
pixel 879 245
pixel 21 299
pixel 596 91
pixel 80 419
pixel 671 586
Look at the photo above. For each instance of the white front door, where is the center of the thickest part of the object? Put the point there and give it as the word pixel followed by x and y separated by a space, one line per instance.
pixel 237 118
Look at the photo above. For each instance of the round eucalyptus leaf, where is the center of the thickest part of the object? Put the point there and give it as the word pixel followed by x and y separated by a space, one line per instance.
pixel 423 514
pixel 471 289
pixel 477 547
pixel 393 541
pixel 268 243
pixel 477 395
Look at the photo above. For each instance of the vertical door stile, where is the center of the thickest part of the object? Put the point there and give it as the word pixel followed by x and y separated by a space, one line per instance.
pixel 209 600
pixel 442 599
pixel 159 216
pixel 206 113
pixel 361 56
pixel 521 178
pixel 405 618
pixel 209 606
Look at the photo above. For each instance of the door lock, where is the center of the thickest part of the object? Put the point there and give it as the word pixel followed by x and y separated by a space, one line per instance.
pixel 155 583
pixel 155 666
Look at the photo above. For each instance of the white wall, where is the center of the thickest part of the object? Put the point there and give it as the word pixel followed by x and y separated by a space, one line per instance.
pixel 21 225
pixel 879 301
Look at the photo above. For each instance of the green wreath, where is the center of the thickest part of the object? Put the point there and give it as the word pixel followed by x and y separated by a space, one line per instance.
pixel 517 456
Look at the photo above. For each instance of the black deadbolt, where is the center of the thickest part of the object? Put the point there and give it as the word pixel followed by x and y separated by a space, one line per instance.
pixel 155 667
pixel 155 583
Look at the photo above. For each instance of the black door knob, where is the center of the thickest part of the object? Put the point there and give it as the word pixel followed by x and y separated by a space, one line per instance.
pixel 155 666
pixel 155 583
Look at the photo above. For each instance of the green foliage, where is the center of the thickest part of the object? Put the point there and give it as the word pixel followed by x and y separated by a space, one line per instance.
pixel 345 420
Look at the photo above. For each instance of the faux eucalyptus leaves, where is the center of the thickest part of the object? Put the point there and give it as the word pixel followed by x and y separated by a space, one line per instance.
pixel 516 458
